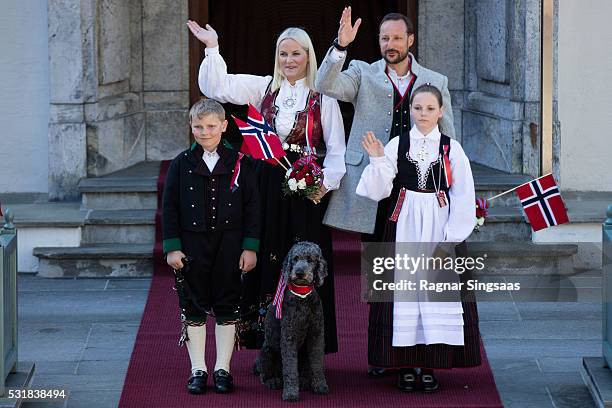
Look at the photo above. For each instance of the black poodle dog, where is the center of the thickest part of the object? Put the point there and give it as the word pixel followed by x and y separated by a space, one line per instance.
pixel 293 349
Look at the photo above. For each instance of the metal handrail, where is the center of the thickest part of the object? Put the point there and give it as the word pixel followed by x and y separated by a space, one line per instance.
pixel 8 304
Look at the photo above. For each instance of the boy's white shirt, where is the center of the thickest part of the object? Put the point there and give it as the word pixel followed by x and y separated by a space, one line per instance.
pixel 210 158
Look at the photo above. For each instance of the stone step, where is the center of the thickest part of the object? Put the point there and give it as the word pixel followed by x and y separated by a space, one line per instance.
pixel 119 226
pixel 490 182
pixel 96 260
pixel 20 379
pixel 525 258
pixel 132 188
pixel 503 224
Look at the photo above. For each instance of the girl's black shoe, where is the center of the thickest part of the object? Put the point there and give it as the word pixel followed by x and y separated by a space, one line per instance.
pixel 407 379
pixel 429 383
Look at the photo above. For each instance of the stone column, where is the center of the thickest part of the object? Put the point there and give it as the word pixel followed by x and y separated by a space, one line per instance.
pixel 119 87
pixel 442 47
pixel 501 121
pixel 68 42
pixel 165 77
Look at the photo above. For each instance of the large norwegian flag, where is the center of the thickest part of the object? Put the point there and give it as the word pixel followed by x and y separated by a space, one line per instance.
pixel 542 203
pixel 259 140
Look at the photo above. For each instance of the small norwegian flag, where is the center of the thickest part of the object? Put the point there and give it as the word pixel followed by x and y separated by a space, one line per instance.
pixel 542 203
pixel 279 296
pixel 259 140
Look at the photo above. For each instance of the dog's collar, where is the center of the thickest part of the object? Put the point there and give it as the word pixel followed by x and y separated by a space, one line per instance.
pixel 300 290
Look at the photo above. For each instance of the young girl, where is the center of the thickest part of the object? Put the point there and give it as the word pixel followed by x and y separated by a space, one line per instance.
pixel 429 181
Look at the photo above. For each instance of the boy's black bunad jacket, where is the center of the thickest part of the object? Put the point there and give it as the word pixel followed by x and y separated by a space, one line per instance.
pixel 198 200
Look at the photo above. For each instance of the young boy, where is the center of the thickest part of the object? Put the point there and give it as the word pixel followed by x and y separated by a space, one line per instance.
pixel 211 214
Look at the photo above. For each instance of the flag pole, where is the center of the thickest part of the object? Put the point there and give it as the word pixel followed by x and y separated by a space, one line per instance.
pixel 282 165
pixel 287 161
pixel 512 189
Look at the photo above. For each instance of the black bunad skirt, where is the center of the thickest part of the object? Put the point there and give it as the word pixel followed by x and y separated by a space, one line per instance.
pixel 381 353
pixel 285 221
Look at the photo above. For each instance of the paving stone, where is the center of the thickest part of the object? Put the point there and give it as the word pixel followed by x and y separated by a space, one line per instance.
pixel 556 294
pixel 560 310
pixel 498 348
pixel 571 396
pixel 108 353
pixel 94 399
pixel 560 364
pixel 60 318
pixel 32 283
pixel 117 335
pixel 491 311
pixel 81 382
pixel 542 329
pixel 556 281
pixel 55 367
pixel 103 367
pixel 128 284
pixel 80 306
pixel 45 404
pixel 501 365
pixel 48 341
pixel 520 395
pixel 110 342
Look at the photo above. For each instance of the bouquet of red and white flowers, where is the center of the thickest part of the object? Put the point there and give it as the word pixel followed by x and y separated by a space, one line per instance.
pixel 482 212
pixel 304 178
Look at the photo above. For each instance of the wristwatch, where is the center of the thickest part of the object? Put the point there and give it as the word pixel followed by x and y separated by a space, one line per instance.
pixel 337 45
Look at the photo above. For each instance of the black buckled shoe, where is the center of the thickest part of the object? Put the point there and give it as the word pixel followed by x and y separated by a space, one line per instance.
pixel 429 383
pixel 197 382
pixel 407 379
pixel 224 383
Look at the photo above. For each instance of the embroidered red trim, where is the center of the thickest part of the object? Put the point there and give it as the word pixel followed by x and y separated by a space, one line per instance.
pixel 398 205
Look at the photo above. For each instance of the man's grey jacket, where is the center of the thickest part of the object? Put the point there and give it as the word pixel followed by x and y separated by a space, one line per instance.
pixel 369 89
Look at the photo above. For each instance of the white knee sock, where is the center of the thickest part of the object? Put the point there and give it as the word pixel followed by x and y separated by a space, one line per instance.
pixel 224 338
pixel 196 347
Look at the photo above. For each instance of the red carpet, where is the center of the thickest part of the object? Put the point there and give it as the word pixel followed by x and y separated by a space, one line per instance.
pixel 158 369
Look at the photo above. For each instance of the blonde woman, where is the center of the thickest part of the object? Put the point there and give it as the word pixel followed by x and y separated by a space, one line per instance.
pixel 284 99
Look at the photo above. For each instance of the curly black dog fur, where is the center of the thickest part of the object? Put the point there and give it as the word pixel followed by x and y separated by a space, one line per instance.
pixel 293 349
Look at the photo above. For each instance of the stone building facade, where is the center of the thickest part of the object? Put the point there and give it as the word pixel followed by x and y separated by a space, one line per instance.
pixel 490 50
pixel 118 84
